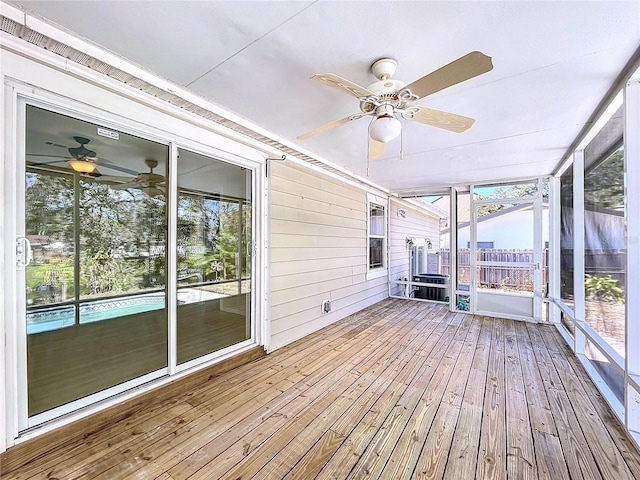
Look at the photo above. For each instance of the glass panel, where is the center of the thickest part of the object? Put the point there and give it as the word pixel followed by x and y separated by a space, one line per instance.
pixel 609 373
pixel 49 197
pixel 462 302
pixel 505 279
pixel 464 253
pixel 566 237
pixel 508 227
pixel 86 329
pixel 511 190
pixel 376 252
pixel 605 248
pixel 376 220
pixel 214 266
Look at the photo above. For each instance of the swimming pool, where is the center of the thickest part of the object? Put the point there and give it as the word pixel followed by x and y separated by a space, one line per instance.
pixel 64 316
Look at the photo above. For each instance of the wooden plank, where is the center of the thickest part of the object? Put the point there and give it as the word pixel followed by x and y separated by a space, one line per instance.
pixel 349 409
pixel 174 446
pixel 433 458
pixel 549 457
pixel 521 461
pixel 406 452
pixel 540 414
pixel 466 440
pixel 619 436
pixel 313 461
pixel 396 397
pixel 251 433
pixel 78 431
pixel 238 452
pixel 577 454
pixel 491 455
pixel 243 377
pixel 395 391
pixel 605 453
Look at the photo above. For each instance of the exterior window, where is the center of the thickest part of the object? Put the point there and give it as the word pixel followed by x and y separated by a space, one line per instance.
pixel 377 232
pixel 376 235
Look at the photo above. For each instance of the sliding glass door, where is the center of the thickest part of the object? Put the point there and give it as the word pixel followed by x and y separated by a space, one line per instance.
pixel 96 263
pixel 214 247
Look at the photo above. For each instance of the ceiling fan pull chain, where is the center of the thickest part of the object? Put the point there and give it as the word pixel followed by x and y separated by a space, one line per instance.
pixel 401 147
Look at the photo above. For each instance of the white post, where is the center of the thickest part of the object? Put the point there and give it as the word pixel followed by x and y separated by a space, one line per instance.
pixel 453 249
pixel 632 213
pixel 554 246
pixel 578 248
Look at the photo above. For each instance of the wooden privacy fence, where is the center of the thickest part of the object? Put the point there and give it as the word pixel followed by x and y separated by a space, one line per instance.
pixel 513 277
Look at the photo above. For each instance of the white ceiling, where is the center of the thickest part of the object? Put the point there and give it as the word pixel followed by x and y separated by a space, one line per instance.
pixel 554 62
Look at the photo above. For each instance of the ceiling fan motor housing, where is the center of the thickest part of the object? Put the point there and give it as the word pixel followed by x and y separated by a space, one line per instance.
pixel 384 68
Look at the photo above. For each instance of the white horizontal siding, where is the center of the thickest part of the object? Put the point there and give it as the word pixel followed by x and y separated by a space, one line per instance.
pixel 318 251
pixel 416 223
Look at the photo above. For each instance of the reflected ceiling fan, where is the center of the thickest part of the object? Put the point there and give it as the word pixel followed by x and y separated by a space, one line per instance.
pixel 148 182
pixel 388 99
pixel 81 159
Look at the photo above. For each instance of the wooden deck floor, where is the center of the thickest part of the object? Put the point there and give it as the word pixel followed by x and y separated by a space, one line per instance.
pixel 400 390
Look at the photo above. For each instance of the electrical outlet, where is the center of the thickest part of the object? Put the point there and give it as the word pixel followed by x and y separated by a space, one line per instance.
pixel 326 306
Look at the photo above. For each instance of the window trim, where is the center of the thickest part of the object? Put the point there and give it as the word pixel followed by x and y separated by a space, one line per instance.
pixel 381 271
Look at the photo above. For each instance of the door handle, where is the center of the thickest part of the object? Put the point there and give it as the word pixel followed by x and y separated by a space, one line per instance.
pixel 23 252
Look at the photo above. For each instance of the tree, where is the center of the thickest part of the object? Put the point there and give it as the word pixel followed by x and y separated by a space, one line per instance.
pixel 521 190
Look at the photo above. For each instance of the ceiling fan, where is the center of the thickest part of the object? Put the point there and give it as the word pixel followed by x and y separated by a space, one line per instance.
pixel 81 159
pixel 388 99
pixel 148 182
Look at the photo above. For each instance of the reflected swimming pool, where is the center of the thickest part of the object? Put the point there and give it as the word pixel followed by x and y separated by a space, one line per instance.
pixel 53 318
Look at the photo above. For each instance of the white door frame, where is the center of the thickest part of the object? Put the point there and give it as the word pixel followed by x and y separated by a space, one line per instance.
pixel 15 426
pixel 533 311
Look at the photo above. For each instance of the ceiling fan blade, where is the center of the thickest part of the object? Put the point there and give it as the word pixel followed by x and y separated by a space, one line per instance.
pixel 37 159
pixel 329 126
pixel 466 67
pixel 376 149
pixel 109 164
pixel 152 191
pixel 342 84
pixel 124 186
pixel 440 119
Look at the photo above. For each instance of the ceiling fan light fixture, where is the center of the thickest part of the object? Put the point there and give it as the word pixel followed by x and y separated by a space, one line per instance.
pixel 385 128
pixel 82 166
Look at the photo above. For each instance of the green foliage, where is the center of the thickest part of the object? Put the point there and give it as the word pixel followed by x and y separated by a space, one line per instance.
pixel 511 191
pixel 102 273
pixel 121 237
pixel 603 288
pixel 604 182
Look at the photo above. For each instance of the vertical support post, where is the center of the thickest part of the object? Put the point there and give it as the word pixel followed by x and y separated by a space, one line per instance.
pixel 554 246
pixel 632 214
pixel 241 252
pixel 172 259
pixel 578 248
pixel 453 249
pixel 473 252
pixel 76 247
pixel 537 253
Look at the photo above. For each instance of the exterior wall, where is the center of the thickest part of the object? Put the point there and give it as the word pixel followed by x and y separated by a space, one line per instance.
pixel 416 223
pixel 318 251
pixel 133 111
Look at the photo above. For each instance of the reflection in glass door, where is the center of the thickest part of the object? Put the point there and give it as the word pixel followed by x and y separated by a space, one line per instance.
pixel 95 217
pixel 214 247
